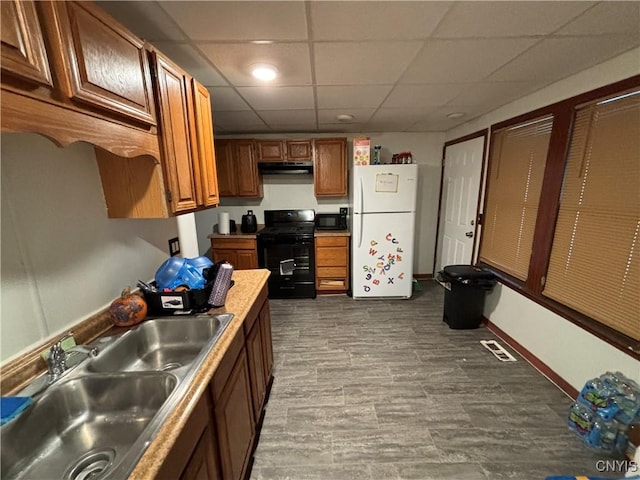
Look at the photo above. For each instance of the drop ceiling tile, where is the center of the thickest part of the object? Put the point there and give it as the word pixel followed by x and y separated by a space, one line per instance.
pixel 360 115
pixel 410 115
pixel 606 17
pixel 507 19
pixel 559 57
pixel 240 21
pixel 444 61
pixel 341 127
pixel 192 61
pixel 351 96
pixel 278 98
pixel 238 122
pixel 437 120
pixel 375 20
pixel 491 95
pixel 146 19
pixel 226 99
pixel 357 63
pixel 428 95
pixel 300 119
pixel 235 60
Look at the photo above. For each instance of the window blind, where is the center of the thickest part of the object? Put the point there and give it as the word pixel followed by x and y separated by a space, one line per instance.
pixel 594 266
pixel 518 160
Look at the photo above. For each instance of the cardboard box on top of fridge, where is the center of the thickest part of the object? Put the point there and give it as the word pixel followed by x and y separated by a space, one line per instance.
pixel 361 151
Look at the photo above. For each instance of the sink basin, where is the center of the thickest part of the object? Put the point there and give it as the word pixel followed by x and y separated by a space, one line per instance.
pixel 83 428
pixel 160 344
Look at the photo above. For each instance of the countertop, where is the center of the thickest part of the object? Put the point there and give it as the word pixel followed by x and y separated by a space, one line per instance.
pixel 317 233
pixel 237 234
pixel 248 284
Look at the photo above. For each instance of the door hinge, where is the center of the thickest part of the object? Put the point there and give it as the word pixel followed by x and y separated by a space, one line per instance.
pixel 169 197
pixel 480 218
pixel 543 280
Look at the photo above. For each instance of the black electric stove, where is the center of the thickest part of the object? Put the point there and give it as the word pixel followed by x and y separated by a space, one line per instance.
pixel 286 248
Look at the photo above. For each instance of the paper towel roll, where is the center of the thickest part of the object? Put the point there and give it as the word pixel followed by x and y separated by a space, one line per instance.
pixel 223 223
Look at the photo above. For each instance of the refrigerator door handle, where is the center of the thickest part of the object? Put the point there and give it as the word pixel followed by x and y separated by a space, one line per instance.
pixel 360 207
pixel 359 231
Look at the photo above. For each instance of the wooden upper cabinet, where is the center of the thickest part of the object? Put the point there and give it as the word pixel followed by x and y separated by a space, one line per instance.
pixel 205 148
pixel 284 150
pixel 270 150
pixel 23 53
pixel 107 65
pixel 227 184
pixel 246 169
pixel 176 127
pixel 330 169
pixel 299 150
pixel 237 168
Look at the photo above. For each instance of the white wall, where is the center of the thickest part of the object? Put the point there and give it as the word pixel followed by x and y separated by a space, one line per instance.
pixel 296 191
pixel 62 258
pixel 570 351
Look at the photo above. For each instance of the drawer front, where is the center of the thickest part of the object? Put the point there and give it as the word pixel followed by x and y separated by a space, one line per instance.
pixel 234 243
pixel 331 256
pixel 331 272
pixel 331 284
pixel 332 241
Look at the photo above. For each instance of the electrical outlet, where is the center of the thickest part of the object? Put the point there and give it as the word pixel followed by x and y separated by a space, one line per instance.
pixel 174 246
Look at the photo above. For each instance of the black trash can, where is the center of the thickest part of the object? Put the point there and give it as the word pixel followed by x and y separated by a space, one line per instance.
pixel 466 287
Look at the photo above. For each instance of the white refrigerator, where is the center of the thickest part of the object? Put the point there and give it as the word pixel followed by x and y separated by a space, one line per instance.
pixel 383 229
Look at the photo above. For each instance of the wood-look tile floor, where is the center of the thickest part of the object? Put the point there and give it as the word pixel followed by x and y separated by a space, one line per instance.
pixel 384 390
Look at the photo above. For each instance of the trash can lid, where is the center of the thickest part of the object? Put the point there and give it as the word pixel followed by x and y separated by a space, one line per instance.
pixel 471 272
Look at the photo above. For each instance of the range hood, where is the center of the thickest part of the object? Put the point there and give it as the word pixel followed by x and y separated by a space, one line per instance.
pixel 278 168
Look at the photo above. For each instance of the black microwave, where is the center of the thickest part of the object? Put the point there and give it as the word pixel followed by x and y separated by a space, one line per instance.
pixel 332 221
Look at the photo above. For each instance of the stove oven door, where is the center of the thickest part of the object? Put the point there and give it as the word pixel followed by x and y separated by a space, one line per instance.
pixel 291 261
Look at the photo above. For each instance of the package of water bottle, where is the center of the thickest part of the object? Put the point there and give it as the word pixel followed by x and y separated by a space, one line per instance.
pixel 612 396
pixel 594 430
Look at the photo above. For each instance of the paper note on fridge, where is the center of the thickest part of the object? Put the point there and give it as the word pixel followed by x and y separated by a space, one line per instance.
pixel 386 182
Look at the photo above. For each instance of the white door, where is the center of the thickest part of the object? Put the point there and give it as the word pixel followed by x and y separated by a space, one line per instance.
pixel 382 255
pixel 459 207
pixel 385 188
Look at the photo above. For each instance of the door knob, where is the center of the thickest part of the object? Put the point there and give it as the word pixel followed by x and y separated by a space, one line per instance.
pixel 469 234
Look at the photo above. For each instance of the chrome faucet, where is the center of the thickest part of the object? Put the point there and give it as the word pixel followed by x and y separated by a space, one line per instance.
pixel 57 359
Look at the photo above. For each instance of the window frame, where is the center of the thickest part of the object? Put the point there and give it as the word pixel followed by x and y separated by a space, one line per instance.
pixel 563 113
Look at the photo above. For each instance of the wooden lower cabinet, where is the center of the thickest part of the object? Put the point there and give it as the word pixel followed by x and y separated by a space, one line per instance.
pixel 203 464
pixel 259 352
pixel 195 453
pixel 332 264
pixel 234 421
pixel 242 253
pixel 218 440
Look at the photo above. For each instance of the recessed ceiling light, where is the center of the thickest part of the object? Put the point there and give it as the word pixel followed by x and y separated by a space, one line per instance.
pixel 456 115
pixel 345 117
pixel 264 71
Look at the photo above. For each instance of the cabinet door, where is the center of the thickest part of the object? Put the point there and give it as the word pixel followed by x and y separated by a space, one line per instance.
pixel 230 255
pixel 203 465
pixel 234 421
pixel 256 368
pixel 23 53
pixel 330 169
pixel 225 166
pixel 299 150
pixel 107 65
pixel 270 150
pixel 246 260
pixel 246 169
pixel 267 340
pixel 176 122
pixel 204 147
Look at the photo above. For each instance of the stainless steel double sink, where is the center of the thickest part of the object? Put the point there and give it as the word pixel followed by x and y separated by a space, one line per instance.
pixel 97 421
